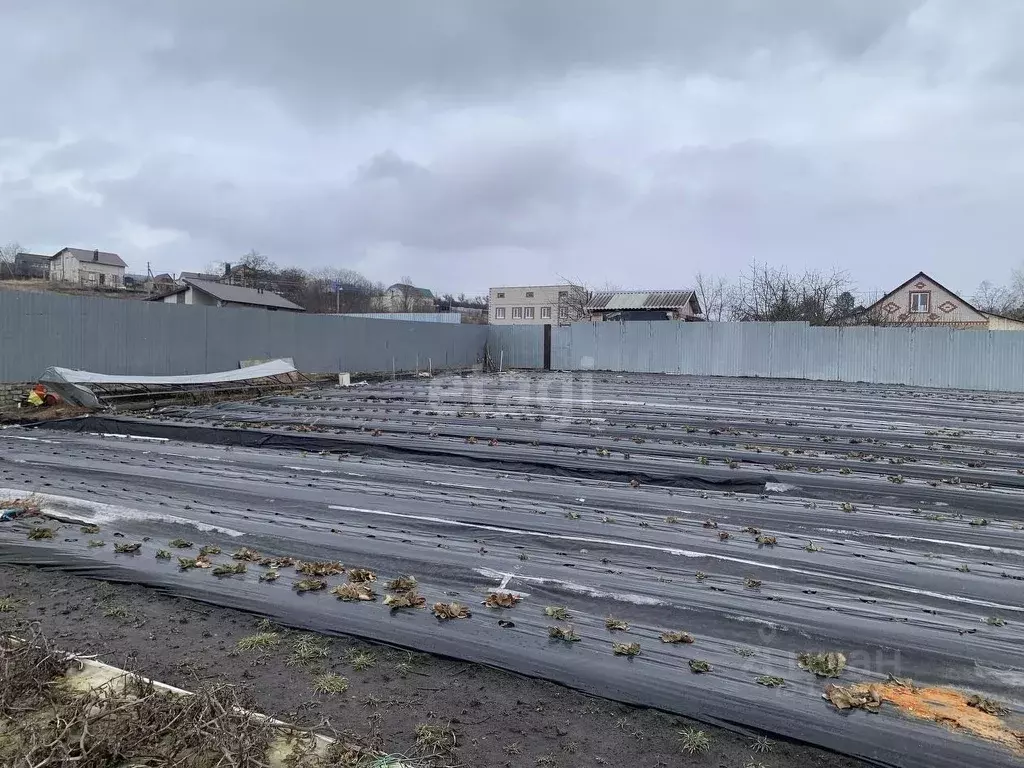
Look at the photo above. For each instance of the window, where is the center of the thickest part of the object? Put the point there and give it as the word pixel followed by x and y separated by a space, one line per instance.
pixel 517 313
pixel 499 313
pixel 563 294
pixel 563 313
pixel 545 313
pixel 103 279
pixel 501 294
pixel 528 313
pixel 529 294
pixel 920 302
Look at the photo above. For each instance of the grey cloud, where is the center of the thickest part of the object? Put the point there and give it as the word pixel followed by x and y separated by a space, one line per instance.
pixel 467 143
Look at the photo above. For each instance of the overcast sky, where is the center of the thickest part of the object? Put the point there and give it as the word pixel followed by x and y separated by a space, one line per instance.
pixel 469 143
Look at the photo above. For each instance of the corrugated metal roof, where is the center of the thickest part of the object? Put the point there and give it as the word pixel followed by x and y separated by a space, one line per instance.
pixel 640 300
pixel 235 294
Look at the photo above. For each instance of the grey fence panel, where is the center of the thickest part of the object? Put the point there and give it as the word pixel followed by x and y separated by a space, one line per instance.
pixel 930 357
pixel 38 330
pixel 696 348
pixel 517 346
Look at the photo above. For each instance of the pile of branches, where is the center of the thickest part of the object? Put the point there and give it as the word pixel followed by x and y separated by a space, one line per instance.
pixel 45 723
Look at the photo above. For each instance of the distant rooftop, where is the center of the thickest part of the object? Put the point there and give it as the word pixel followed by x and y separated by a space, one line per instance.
pixel 236 294
pixel 656 300
pixel 100 257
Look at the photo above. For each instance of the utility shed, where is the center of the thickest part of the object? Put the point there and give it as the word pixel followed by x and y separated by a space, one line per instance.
pixel 632 306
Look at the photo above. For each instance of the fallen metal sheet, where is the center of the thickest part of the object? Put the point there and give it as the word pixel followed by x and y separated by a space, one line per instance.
pixel 903 583
pixel 262 370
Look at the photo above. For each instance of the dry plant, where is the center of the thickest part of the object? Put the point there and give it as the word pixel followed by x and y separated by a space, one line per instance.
pixel 128 548
pixel 209 549
pixel 361 576
pixel 309 585
pixel 402 600
pixel 557 612
pixel 307 649
pixel 180 544
pixel 163 554
pixel 568 634
pixel 501 600
pixel 228 570
pixel 445 611
pixel 320 568
pixel 699 666
pixel 247 555
pixel 329 684
pixel 354 593
pixel 616 624
pixel 676 637
pixel 829 664
pixel 261 641
pixel 402 584
pixel 277 563
pixel 695 741
pixel 40 532
pixel 626 649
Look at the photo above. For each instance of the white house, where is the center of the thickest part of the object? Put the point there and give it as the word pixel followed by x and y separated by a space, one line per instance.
pixel 92 268
pixel 402 297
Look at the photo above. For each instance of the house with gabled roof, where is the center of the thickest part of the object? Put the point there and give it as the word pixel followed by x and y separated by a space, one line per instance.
pixel 98 269
pixel 924 301
pixel 209 294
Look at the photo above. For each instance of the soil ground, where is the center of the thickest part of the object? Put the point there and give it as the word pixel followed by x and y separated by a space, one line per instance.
pixel 501 719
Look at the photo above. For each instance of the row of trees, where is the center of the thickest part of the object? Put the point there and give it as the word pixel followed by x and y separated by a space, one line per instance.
pixel 336 289
pixel 767 293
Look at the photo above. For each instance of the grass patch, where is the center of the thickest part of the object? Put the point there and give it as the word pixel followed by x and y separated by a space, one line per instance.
pixel 307 650
pixel 700 575
pixel 769 681
pixel 436 740
pixel 40 532
pixel 163 554
pixel 261 641
pixel 329 684
pixel 360 659
pixel 695 741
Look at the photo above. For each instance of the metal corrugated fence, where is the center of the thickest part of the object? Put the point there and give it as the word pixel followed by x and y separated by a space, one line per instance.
pixel 414 317
pixel 929 357
pixel 38 330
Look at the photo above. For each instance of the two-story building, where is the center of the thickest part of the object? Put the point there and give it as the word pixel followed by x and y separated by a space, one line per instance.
pixel 98 269
pixel 529 304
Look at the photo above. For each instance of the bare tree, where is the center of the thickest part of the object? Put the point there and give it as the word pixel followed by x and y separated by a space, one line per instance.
pixel 573 306
pixel 1002 300
pixel 257 270
pixel 765 293
pixel 8 253
pixel 712 295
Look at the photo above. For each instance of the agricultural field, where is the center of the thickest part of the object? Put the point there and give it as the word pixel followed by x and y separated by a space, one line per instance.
pixel 800 562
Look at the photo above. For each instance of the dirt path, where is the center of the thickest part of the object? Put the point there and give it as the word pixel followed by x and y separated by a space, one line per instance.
pixel 500 719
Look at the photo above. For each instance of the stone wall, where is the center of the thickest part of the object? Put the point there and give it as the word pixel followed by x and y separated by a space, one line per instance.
pixel 12 394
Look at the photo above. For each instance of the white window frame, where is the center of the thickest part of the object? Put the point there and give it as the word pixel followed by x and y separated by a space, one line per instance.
pixel 563 313
pixel 499 313
pixel 545 313
pixel 517 313
pixel 528 313
pixel 529 294
pixel 920 307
